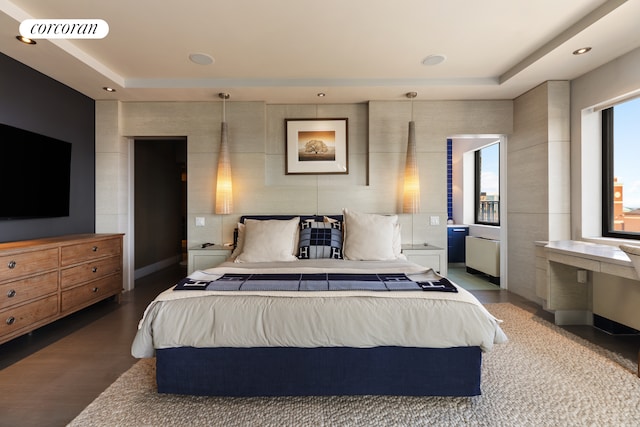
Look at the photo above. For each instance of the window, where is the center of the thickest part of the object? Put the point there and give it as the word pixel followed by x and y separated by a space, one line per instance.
pixel 620 170
pixel 487 182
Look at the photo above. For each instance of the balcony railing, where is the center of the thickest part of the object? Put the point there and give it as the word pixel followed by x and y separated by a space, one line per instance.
pixel 489 212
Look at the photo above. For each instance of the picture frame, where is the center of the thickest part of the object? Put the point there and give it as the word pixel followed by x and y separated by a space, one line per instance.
pixel 316 146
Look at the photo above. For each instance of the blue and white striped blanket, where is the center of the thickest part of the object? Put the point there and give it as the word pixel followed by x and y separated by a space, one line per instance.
pixel 315 282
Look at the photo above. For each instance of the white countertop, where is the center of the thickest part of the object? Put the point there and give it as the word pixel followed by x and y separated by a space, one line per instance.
pixel 410 246
pixel 594 251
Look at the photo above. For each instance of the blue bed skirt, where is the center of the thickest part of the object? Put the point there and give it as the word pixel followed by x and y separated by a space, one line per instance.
pixel 402 371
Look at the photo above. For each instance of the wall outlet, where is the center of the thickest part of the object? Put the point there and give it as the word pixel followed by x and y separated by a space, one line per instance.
pixel 434 220
pixel 582 276
pixel 199 221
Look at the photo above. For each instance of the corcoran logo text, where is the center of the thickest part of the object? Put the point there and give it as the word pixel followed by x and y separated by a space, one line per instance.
pixel 64 28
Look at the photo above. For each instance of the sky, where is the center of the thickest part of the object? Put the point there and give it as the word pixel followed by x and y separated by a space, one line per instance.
pixel 490 177
pixel 626 157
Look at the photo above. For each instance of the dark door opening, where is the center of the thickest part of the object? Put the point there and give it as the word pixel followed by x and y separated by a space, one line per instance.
pixel 160 202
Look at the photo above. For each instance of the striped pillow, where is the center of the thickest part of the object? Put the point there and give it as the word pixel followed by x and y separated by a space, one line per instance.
pixel 320 240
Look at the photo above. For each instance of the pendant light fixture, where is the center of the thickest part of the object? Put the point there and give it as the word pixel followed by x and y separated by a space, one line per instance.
pixel 411 188
pixel 224 187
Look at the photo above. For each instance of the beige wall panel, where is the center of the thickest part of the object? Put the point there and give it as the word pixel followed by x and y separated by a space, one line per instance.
pixel 356 177
pixel 438 120
pixel 274 174
pixel 433 182
pixel 559 159
pixel 251 196
pixel 527 178
pixel 358 122
pixel 201 170
pixel 559 93
pixel 530 119
pixel 384 194
pixel 171 118
pixel 210 233
pixel 107 223
pixel 524 230
pixel 416 229
pixel 389 126
pixel 107 180
pixel 361 199
pixel 276 115
pixel 246 127
pixel 198 144
pixel 107 126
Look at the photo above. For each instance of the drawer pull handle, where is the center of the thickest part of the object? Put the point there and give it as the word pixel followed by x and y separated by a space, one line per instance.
pixel 94 249
pixel 11 293
pixel 95 289
pixel 12 264
pixel 94 269
pixel 11 320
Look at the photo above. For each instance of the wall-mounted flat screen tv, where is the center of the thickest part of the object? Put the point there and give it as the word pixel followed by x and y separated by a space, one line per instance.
pixel 35 174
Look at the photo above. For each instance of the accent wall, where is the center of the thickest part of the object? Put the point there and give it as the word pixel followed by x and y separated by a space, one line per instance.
pixel 32 101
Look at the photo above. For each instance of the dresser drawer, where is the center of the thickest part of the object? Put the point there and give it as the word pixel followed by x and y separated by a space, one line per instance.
pixel 22 317
pixel 89 271
pixel 88 251
pixel 26 263
pixel 23 290
pixel 79 296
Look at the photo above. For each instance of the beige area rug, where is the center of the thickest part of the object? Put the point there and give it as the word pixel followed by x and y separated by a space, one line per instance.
pixel 543 376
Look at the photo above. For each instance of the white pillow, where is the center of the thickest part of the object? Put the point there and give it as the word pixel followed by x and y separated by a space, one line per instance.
pixel 369 237
pixel 397 242
pixel 269 240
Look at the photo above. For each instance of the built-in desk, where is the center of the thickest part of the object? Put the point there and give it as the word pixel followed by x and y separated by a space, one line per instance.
pixel 578 279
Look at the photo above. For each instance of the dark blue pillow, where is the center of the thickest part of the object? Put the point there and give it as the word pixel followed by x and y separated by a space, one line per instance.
pixel 320 240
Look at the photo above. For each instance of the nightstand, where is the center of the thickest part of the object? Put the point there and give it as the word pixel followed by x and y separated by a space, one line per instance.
pixel 202 258
pixel 428 256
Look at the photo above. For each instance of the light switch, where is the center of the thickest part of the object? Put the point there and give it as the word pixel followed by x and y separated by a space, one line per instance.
pixel 199 221
pixel 434 220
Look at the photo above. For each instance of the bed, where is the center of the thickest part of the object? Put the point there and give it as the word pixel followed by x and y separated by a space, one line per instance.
pixel 257 325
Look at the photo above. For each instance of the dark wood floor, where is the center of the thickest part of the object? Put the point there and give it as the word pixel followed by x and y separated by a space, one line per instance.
pixel 49 376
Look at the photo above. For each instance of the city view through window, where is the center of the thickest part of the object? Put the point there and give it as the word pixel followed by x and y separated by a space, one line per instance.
pixel 626 166
pixel 489 186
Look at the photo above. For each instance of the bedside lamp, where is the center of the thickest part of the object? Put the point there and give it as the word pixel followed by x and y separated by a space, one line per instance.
pixel 224 184
pixel 411 189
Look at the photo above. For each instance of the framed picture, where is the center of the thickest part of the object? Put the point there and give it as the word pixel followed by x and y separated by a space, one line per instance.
pixel 316 146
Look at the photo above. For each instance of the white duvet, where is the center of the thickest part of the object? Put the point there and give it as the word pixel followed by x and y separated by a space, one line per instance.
pixel 317 318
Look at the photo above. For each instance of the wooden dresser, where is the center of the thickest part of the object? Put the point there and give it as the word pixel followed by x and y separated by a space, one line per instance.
pixel 45 279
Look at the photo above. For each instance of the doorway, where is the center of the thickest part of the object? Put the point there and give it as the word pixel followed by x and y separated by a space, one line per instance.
pixel 160 203
pixel 464 207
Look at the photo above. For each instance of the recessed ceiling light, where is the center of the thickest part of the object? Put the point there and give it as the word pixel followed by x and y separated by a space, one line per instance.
pixel 26 40
pixel 321 94
pixel 108 89
pixel 581 51
pixel 201 58
pixel 434 60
